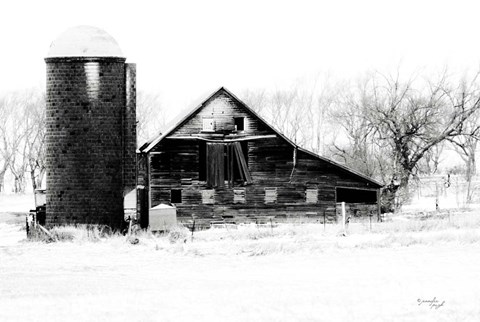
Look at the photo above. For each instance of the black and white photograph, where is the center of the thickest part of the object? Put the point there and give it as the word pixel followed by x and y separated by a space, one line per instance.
pixel 239 160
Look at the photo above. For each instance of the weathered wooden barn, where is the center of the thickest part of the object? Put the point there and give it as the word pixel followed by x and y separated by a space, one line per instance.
pixel 222 160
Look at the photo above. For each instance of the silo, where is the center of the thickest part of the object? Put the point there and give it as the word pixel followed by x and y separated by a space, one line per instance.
pixel 90 128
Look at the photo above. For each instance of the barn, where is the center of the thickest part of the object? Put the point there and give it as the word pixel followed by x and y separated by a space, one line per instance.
pixel 223 161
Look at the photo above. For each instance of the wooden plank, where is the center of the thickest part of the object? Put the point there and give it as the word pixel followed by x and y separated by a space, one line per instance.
pixel 242 163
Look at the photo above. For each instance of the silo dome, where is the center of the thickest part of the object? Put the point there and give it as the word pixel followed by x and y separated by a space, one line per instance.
pixel 84 41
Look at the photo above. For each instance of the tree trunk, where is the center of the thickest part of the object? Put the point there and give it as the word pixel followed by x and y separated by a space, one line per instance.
pixel 19 186
pixel 34 181
pixel 40 177
pixel 2 180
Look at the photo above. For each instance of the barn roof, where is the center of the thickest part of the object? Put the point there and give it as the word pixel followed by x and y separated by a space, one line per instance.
pixel 150 144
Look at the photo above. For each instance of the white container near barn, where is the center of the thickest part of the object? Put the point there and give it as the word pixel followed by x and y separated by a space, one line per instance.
pixel 162 217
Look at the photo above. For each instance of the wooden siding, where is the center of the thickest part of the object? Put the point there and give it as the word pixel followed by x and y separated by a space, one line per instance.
pixel 273 162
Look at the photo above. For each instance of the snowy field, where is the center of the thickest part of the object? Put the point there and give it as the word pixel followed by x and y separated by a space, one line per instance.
pixel 284 273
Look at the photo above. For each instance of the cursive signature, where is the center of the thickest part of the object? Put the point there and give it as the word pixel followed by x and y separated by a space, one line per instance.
pixel 433 304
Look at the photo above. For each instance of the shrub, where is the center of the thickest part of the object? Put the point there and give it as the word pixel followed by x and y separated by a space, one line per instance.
pixel 178 234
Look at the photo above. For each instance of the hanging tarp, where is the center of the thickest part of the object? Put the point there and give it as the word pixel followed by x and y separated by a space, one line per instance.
pixel 242 163
pixel 223 161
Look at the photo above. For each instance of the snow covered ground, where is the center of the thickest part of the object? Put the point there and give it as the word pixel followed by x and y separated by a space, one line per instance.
pixel 316 279
pixel 284 273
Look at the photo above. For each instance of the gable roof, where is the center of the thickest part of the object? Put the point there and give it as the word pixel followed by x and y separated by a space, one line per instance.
pixel 150 144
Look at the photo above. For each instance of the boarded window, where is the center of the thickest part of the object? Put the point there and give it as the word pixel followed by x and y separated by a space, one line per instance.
pixel 311 196
pixel 239 196
pixel 176 196
pixel 270 195
pixel 208 196
pixel 208 124
pixel 239 124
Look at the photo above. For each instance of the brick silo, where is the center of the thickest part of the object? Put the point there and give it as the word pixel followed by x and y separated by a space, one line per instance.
pixel 90 136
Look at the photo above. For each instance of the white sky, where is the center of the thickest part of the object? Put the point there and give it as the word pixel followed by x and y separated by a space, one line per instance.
pixel 186 49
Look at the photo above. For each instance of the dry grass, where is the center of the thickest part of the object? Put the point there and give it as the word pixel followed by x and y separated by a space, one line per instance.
pixel 78 233
pixel 253 240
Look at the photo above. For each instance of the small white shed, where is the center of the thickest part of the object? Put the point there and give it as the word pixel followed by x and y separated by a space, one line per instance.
pixel 162 217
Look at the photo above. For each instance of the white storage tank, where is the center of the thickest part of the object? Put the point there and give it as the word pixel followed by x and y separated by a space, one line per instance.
pixel 162 217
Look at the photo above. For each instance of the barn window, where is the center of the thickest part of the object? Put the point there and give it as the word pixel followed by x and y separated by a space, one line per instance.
pixel 208 124
pixel 311 195
pixel 225 162
pixel 208 196
pixel 270 195
pixel 239 196
pixel 176 196
pixel 239 123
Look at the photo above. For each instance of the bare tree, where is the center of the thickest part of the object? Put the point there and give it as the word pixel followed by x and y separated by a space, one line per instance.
pixel 150 115
pixel 411 119
pixel 466 147
pixel 256 99
pixel 35 139
pixel 322 126
pixel 5 151
pixel 299 112
pixel 431 161
pixel 23 132
pixel 355 148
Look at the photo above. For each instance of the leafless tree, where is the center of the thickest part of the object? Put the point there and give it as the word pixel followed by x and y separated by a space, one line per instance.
pixel 5 151
pixel 35 139
pixel 23 133
pixel 299 112
pixel 466 146
pixel 409 118
pixel 431 161
pixel 256 99
pixel 150 115
pixel 355 147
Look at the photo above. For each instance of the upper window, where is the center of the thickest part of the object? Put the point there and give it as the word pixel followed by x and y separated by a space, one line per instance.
pixel 239 124
pixel 208 124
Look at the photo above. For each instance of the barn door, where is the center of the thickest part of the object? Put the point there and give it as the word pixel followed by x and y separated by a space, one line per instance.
pixel 215 164
pixel 226 161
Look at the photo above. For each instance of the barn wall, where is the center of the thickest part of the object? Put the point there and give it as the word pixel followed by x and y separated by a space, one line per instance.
pixel 177 167
pixel 223 109
pixel 273 163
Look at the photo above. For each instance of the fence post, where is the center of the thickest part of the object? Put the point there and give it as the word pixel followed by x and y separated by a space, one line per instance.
pixel 343 215
pixel 370 221
pixel 324 221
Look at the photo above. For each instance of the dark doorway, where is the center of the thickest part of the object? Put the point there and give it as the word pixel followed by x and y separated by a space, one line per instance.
pixel 356 196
